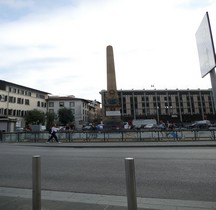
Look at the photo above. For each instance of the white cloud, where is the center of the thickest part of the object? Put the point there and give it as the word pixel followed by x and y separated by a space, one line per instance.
pixel 63 51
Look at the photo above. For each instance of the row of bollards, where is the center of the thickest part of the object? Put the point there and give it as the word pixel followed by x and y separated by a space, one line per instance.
pixel 130 183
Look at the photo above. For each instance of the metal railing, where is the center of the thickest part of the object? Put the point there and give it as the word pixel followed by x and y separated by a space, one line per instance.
pixel 112 135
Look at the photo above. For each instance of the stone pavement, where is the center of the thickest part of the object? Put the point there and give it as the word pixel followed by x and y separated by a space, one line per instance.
pixel 21 199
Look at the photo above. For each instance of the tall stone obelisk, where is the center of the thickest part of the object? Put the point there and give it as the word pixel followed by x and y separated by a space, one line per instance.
pixel 112 118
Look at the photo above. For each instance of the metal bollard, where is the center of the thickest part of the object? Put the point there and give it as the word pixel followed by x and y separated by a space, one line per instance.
pixel 130 184
pixel 36 183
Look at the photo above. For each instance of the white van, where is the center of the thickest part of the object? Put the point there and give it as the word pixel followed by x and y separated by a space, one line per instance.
pixel 141 123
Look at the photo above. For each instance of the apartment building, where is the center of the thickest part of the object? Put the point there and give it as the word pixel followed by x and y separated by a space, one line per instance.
pixel 84 111
pixel 15 101
pixel 176 105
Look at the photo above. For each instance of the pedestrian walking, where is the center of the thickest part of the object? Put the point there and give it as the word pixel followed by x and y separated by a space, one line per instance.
pixel 53 132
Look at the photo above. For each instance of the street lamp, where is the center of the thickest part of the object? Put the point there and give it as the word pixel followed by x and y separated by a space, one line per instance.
pixel 157 112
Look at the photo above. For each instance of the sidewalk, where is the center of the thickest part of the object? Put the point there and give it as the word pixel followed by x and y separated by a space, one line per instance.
pixel 20 199
pixel 12 198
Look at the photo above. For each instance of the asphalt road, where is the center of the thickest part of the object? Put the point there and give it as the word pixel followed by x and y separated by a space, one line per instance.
pixel 186 173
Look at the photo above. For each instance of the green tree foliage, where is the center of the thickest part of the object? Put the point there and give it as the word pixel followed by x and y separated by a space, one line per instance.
pixel 51 117
pixel 65 116
pixel 35 117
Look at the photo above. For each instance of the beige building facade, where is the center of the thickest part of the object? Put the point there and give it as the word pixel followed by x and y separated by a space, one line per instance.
pixel 176 105
pixel 16 100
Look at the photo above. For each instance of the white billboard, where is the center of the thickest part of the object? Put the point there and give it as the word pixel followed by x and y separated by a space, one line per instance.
pixel 205 46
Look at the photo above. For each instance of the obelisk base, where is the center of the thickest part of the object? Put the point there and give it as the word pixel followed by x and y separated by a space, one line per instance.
pixel 112 123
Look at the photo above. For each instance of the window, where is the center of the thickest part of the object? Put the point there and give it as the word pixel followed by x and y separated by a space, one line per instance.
pixel 72 104
pixel 51 104
pixel 11 99
pixel 19 100
pixel 38 103
pixel 51 110
pixel 2 98
pixel 43 104
pixel 61 104
pixel 73 111
pixel 27 93
pixel 26 101
pixel 40 96
pixel 10 111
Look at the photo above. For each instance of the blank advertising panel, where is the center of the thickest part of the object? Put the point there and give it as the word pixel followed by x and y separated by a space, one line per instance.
pixel 205 46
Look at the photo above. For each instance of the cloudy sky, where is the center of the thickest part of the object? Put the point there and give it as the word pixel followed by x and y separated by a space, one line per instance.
pixel 60 46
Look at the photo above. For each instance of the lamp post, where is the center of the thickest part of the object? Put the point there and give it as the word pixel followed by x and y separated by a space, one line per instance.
pixel 157 112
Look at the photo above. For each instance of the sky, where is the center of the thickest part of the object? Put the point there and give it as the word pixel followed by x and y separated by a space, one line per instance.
pixel 60 46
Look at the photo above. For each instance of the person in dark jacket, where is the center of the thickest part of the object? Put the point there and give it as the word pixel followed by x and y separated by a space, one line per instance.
pixel 53 132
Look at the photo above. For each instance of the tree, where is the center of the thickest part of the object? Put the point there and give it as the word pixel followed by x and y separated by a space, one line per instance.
pixel 51 117
pixel 65 116
pixel 35 117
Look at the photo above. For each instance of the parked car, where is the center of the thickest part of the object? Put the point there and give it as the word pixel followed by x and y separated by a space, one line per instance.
pixel 99 126
pixel 87 128
pixel 140 123
pixel 213 126
pixel 126 125
pixel 43 127
pixel 203 124
pixel 150 126
pixel 19 129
